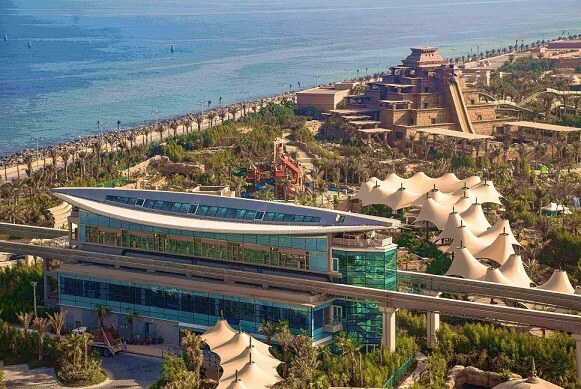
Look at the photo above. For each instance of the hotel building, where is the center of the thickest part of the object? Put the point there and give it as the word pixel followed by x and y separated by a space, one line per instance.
pixel 257 237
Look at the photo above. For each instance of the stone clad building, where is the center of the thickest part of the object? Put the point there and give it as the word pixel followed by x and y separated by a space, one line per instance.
pixel 422 93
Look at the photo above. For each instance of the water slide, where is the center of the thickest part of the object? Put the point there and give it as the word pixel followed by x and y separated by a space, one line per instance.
pixel 460 106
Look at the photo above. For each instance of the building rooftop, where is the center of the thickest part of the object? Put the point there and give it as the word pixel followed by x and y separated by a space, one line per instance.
pixel 452 133
pixel 543 126
pixel 206 213
pixel 319 91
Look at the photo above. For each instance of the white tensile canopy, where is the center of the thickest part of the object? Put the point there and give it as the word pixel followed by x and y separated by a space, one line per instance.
pixel 464 192
pixel 433 212
pixel 462 204
pixel 494 275
pixel 463 236
pixel 394 180
pixel 499 227
pixel 465 265
pixel 453 221
pixel 401 198
pixel 420 182
pixel 376 195
pixel 559 282
pixel 472 181
pixel 514 270
pixel 487 193
pixel 237 384
pixel 533 382
pixel 253 376
pixel 499 250
pixel 475 219
pixel 440 197
pixel 246 362
pixel 553 207
pixel 218 334
pixel 448 182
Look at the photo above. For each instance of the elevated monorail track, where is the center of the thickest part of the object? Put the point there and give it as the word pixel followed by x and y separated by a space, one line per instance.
pixel 390 299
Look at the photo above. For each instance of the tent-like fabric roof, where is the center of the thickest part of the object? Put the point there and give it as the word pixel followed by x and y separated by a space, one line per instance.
pixel 533 382
pixel 462 204
pixel 553 207
pixel 501 226
pixel 449 182
pixel 487 193
pixel 433 212
pixel 219 334
pixel 499 250
pixel 475 219
pixel 465 265
pixel 246 362
pixel 463 236
pixel 452 222
pixel 559 282
pixel 494 275
pixel 514 270
pixel 401 198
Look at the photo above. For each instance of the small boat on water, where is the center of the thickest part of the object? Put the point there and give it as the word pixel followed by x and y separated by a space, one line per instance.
pixel 5 37
pixel 29 44
pixel 173 49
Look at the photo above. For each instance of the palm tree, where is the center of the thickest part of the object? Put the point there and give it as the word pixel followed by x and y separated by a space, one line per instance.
pixel 101 311
pixel 192 346
pixel 25 318
pixel 352 350
pixel 284 338
pixel 118 124
pixel 41 324
pixel 199 121
pixel 65 157
pixel 211 116
pixel 28 161
pixel 160 130
pixel 269 329
pixel 57 321
pixel 131 319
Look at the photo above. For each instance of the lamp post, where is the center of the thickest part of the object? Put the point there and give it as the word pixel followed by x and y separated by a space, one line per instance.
pixel 33 284
pixel 36 139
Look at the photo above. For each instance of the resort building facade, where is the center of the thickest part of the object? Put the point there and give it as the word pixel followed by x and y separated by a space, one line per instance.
pixel 424 94
pixel 256 237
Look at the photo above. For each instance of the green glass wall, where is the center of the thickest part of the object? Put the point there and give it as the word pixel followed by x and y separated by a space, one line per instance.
pixel 251 248
pixel 198 308
pixel 372 269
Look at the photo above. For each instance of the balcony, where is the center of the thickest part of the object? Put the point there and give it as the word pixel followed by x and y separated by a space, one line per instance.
pixel 377 241
pixel 333 327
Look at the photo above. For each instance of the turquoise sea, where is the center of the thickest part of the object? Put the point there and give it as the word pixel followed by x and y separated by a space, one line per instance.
pixel 111 60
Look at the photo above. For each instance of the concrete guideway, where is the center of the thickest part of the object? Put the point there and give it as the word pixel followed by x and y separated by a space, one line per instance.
pixel 390 299
pixel 32 232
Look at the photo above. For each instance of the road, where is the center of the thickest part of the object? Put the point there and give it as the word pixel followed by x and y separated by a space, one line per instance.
pixel 127 371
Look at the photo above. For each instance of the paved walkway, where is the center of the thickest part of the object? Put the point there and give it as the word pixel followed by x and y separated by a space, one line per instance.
pixel 125 370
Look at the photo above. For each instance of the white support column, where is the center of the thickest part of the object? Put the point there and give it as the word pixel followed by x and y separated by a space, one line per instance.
pixel 433 323
pixel 577 338
pixel 388 333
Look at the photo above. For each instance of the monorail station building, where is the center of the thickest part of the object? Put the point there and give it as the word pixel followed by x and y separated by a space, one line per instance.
pixel 257 238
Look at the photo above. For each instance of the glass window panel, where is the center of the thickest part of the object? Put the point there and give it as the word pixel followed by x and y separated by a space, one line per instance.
pixel 176 207
pixel 149 204
pixel 269 216
pixel 212 211
pixel 278 217
pixel 259 215
pixel 221 212
pixel 158 205
pixel 202 210
pixel 193 209
pixel 167 205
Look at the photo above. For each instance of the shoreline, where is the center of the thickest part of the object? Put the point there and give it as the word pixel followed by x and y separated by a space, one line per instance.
pixel 11 164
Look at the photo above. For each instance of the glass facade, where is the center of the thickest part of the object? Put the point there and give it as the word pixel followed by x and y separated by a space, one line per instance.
pixel 372 269
pixel 198 308
pixel 307 253
pixel 212 211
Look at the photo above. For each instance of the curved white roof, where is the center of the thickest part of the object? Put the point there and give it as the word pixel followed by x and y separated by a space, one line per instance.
pixel 499 250
pixel 559 282
pixel 237 384
pixel 452 222
pixel 501 226
pixel 494 275
pixel 487 193
pixel 401 198
pixel 420 182
pixel 433 212
pixel 463 236
pixel 475 219
pixel 218 334
pixel 462 204
pixel 514 270
pixel 448 182
pixel 472 181
pixel 195 224
pixel 464 192
pixel 553 207
pixel 237 345
pixel 465 265
pixel 533 382
pixel 237 363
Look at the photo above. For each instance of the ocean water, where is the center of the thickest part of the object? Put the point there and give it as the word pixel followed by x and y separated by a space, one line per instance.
pixel 111 60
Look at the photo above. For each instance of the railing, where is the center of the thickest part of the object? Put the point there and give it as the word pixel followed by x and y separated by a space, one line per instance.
pixel 403 369
pixel 379 241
